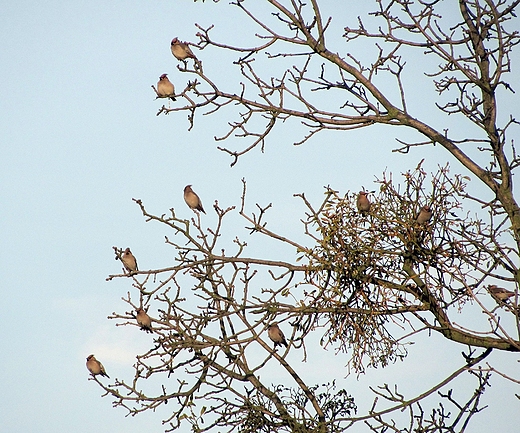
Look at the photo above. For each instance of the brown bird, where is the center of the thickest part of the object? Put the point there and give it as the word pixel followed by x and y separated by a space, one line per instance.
pixel 363 203
pixel 129 261
pixel 424 215
pixel 192 199
pixel 95 367
pixel 499 293
pixel 144 320
pixel 181 50
pixel 276 335
pixel 165 88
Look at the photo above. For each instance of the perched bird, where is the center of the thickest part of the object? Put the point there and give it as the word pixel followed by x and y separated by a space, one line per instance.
pixel 363 203
pixel 95 367
pixel 165 88
pixel 181 50
pixel 144 320
pixel 129 261
pixel 192 199
pixel 499 293
pixel 424 215
pixel 276 335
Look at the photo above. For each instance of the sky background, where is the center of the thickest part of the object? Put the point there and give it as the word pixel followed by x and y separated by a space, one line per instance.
pixel 79 138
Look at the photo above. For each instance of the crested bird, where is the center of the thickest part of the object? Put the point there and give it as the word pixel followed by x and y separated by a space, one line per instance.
pixel 192 199
pixel 143 320
pixel 424 215
pixel 165 88
pixel 363 203
pixel 129 261
pixel 499 293
pixel 181 50
pixel 95 367
pixel 276 335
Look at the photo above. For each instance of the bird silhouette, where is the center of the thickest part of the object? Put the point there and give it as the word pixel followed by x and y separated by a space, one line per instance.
pixel 129 261
pixel 95 367
pixel 181 50
pixel 363 203
pixel 192 199
pixel 424 215
pixel 144 320
pixel 276 335
pixel 165 88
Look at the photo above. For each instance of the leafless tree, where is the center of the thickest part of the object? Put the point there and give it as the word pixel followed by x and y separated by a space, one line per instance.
pixel 366 283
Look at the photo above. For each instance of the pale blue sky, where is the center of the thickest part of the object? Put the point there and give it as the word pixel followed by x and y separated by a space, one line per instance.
pixel 79 138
